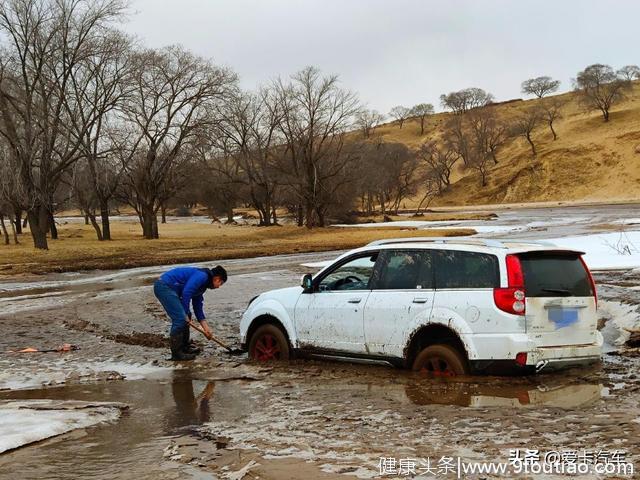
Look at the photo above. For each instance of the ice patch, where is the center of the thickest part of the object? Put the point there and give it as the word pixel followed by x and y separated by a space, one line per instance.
pixel 326 263
pixel 58 373
pixel 620 316
pixel 605 250
pixel 25 422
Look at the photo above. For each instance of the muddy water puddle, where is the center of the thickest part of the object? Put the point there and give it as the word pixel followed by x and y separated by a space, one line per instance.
pixel 203 404
pixel 133 446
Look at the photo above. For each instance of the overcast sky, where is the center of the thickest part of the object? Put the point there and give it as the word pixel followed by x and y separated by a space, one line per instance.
pixel 399 52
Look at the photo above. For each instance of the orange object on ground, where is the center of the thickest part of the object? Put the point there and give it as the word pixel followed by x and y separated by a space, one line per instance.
pixel 66 347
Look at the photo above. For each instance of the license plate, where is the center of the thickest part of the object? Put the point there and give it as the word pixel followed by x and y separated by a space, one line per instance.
pixel 563 317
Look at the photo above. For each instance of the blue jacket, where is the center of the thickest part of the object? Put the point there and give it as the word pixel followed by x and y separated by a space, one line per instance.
pixel 189 283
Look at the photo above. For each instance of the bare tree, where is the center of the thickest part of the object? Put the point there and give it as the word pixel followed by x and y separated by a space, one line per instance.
pixel 46 40
pixel 250 122
pixel 458 138
pixel 629 73
pixel 316 115
pixel 388 174
pixel 464 100
pixel 551 110
pixel 101 83
pixel 368 120
pixel 525 124
pixel 173 96
pixel 440 159
pixel 600 88
pixel 422 111
pixel 490 133
pixel 399 114
pixel 431 188
pixel 540 86
pixel 480 161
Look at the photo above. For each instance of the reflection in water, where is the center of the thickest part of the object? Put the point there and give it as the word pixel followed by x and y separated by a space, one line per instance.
pixel 132 446
pixel 501 395
pixel 190 410
pixel 128 448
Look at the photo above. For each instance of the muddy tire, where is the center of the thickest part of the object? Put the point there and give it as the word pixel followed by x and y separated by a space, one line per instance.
pixel 440 361
pixel 268 344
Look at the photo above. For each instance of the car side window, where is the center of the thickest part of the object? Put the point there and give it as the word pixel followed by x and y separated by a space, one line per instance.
pixel 405 270
pixel 457 269
pixel 353 275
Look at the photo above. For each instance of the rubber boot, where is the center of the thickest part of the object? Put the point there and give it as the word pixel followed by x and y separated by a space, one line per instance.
pixel 177 353
pixel 187 345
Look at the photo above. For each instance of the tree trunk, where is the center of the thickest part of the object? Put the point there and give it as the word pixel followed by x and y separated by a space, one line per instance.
pixel 15 234
pixel 154 223
pixel 533 147
pixel 309 220
pixel 274 216
pixel 5 234
pixel 605 114
pixel 555 137
pixel 25 222
pixel 106 226
pixel 163 212
pixel 320 215
pixel 86 219
pixel 96 227
pixel 147 215
pixel 52 226
pixel 300 216
pixel 38 218
pixel 18 222
pixel 422 126
pixel 230 215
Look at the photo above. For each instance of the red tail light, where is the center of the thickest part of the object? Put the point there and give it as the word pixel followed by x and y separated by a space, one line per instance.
pixel 512 299
pixel 593 283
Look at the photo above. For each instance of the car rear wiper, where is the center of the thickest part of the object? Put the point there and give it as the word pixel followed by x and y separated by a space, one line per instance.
pixel 560 291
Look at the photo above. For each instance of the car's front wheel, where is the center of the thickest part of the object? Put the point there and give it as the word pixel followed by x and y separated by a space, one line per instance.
pixel 268 344
pixel 440 361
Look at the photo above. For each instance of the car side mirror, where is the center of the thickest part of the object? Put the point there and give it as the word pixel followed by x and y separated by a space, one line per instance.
pixel 307 282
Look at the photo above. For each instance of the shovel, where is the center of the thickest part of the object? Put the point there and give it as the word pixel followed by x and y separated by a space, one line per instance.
pixel 231 351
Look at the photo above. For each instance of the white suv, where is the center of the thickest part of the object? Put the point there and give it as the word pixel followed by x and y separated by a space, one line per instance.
pixel 442 306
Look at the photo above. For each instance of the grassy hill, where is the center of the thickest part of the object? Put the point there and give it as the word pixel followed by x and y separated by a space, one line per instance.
pixel 590 161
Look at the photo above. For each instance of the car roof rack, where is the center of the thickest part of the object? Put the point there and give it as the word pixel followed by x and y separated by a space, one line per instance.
pixel 486 242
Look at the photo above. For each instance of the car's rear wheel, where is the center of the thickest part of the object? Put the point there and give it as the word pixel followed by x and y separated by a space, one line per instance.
pixel 268 344
pixel 440 361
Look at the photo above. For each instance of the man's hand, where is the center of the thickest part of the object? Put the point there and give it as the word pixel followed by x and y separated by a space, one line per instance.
pixel 207 330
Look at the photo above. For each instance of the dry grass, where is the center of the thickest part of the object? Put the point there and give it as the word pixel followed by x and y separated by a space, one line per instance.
pixel 78 249
pixel 591 160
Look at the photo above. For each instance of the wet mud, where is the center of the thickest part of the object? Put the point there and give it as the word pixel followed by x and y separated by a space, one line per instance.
pixel 225 417
pixel 151 340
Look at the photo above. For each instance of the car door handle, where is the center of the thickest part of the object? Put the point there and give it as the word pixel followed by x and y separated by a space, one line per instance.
pixel 420 300
pixel 355 300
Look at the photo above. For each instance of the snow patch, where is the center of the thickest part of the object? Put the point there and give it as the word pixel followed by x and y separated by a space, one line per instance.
pixel 25 422
pixel 61 372
pixel 621 316
pixel 605 251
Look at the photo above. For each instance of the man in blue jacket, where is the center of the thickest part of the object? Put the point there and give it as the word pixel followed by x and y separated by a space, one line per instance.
pixel 177 289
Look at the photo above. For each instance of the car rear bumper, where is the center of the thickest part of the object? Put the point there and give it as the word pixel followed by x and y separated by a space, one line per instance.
pixel 552 358
pixel 497 354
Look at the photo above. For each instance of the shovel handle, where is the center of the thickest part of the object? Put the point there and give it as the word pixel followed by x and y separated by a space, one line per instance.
pixel 208 336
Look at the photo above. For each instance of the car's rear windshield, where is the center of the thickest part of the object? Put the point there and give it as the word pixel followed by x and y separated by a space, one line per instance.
pixel 555 275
